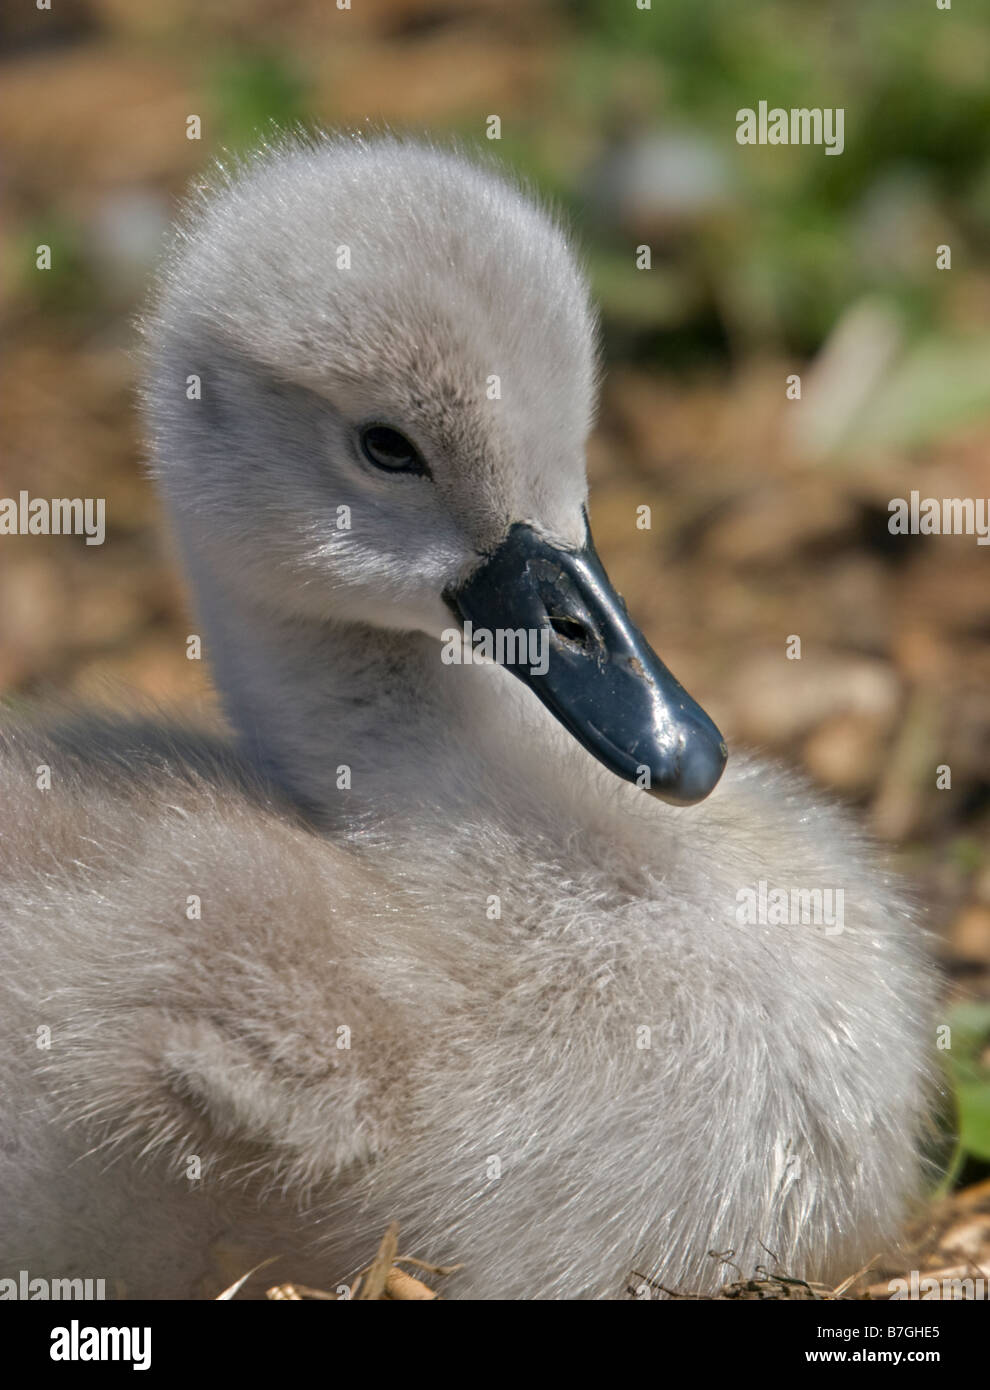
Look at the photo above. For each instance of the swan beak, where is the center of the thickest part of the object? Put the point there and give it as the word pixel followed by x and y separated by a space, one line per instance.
pixel 564 631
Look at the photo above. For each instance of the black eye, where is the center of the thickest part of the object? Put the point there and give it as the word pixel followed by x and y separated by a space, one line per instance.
pixel 387 448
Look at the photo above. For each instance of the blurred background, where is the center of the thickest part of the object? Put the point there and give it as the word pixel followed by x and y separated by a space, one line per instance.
pixel 769 515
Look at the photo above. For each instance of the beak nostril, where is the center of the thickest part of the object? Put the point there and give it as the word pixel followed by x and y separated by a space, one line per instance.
pixel 590 666
pixel 572 631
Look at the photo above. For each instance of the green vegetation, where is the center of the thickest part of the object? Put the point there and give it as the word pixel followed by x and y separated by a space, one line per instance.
pixel 967 1062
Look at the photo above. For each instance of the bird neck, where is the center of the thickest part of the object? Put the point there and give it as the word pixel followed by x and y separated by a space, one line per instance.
pixel 349 719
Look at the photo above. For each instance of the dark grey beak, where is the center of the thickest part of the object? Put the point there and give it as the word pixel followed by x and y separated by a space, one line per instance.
pixel 600 677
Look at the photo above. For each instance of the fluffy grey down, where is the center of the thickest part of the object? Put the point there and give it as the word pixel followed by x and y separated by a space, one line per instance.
pixel 781 1101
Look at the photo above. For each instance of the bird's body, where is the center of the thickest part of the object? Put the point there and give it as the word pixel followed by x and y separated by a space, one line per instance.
pixel 404 949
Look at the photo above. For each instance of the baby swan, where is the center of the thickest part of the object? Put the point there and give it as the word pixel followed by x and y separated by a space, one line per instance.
pixel 414 945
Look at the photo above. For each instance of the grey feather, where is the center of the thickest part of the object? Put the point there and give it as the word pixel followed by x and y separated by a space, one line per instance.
pixel 498 1096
